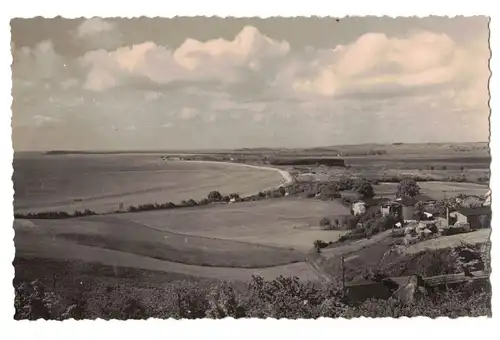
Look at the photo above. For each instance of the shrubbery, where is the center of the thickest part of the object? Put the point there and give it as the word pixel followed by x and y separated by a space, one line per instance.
pixel 55 214
pixel 284 297
pixel 325 222
pixel 319 244
pixel 367 225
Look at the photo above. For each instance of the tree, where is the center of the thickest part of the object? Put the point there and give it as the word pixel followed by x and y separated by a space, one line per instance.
pixel 365 189
pixel 214 196
pixel 408 188
pixel 191 202
pixel 282 191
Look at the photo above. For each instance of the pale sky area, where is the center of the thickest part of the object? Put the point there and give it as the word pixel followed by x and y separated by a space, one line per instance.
pixel 106 84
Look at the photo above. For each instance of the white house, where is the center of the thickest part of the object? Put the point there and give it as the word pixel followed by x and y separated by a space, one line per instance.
pixel 359 208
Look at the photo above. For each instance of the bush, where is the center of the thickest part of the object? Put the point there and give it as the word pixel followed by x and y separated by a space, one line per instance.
pixel 223 302
pixel 204 201
pixel 324 222
pixel 345 184
pixel 319 244
pixel 352 222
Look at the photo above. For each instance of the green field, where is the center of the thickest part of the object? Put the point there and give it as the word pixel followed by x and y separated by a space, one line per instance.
pixel 231 241
pixel 436 190
pixel 284 222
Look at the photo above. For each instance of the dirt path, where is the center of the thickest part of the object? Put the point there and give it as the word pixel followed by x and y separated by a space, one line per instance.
pixel 348 249
pixel 478 236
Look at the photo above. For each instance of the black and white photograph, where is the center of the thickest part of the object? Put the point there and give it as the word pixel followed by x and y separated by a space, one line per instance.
pixel 286 168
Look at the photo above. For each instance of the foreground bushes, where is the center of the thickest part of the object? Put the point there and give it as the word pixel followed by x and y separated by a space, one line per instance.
pixel 452 304
pixel 283 297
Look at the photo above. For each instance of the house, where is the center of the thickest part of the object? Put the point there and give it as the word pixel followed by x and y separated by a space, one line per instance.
pixel 367 205
pixel 361 290
pixel 477 218
pixel 408 205
pixel 358 208
pixel 403 207
pixel 375 202
pixel 391 208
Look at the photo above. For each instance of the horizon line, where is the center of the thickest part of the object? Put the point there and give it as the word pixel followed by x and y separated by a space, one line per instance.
pixel 240 148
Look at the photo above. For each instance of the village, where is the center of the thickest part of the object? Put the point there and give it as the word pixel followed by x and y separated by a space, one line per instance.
pixel 418 218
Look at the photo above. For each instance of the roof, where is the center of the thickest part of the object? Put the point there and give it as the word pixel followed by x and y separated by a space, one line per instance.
pixel 474 211
pixel 376 201
pixel 406 201
pixel 423 198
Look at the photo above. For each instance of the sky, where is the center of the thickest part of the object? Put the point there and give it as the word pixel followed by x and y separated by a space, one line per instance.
pixel 201 83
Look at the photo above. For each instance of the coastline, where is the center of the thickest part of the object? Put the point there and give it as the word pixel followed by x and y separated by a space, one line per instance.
pixel 105 207
pixel 287 177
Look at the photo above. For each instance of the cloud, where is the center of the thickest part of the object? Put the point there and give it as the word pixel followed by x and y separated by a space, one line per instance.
pixel 41 62
pixel 94 26
pixel 151 96
pixel 227 104
pixel 98 33
pixel 40 120
pixel 376 62
pixel 216 59
pixel 250 88
pixel 188 113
